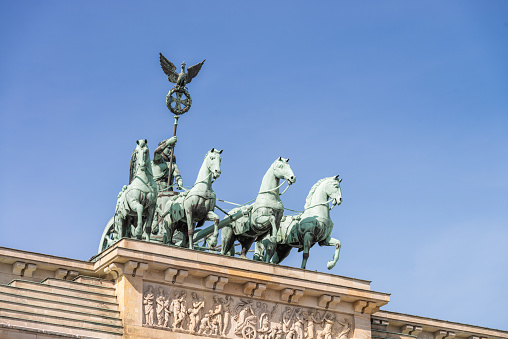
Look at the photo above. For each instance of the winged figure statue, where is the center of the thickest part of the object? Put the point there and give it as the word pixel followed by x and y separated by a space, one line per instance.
pixel 183 78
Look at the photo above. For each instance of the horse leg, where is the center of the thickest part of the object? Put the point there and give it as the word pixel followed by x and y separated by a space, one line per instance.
pixel 332 242
pixel 127 227
pixel 136 206
pixel 119 227
pixel 215 218
pixel 190 228
pixel 231 251
pixel 227 240
pixel 307 244
pixel 246 243
pixel 149 220
pixel 167 238
pixel 198 225
pixel 181 226
pixel 259 251
pixel 271 244
pixel 281 253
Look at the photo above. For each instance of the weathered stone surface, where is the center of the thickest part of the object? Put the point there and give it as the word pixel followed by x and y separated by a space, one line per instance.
pixel 183 293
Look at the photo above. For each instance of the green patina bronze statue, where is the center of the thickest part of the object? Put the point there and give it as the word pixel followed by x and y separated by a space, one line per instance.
pixel 312 226
pixel 164 164
pixel 264 219
pixel 135 206
pixel 177 214
pixel 161 166
pixel 182 212
pixel 174 100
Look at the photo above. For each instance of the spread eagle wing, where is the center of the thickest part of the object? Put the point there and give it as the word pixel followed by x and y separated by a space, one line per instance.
pixel 194 70
pixel 168 68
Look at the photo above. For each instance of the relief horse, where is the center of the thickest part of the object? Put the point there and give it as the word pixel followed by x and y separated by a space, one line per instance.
pixel 312 226
pixel 195 206
pixel 265 216
pixel 136 203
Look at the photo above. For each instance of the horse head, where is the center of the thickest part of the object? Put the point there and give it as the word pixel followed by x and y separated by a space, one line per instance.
pixel 213 160
pixel 282 170
pixel 140 160
pixel 142 155
pixel 333 190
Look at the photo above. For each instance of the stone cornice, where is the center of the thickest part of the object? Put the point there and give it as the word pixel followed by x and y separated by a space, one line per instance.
pixel 248 273
pixel 24 263
pixel 440 328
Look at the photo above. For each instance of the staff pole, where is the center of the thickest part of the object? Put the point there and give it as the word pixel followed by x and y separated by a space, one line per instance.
pixel 170 176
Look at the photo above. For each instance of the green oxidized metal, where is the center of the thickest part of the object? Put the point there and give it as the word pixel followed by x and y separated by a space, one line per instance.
pixel 175 103
pixel 177 214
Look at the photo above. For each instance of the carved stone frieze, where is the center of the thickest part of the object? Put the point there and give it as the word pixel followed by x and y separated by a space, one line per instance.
pixel 211 314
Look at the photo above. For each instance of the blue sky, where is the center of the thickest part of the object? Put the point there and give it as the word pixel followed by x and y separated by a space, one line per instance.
pixel 406 100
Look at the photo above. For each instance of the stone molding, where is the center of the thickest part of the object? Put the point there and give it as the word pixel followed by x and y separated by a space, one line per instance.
pixel 433 328
pixel 182 263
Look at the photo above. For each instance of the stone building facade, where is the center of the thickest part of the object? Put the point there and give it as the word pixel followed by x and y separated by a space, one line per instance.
pixel 137 289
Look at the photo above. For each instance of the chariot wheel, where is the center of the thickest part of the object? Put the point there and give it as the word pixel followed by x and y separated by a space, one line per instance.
pixel 249 332
pixel 178 100
pixel 106 239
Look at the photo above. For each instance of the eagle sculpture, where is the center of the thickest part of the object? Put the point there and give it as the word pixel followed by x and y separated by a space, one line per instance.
pixel 179 79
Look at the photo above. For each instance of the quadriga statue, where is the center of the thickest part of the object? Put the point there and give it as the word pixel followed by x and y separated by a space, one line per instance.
pixel 136 203
pixel 265 216
pixel 312 226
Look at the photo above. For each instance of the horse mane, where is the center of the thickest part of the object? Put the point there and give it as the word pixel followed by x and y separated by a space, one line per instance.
pixel 132 169
pixel 313 190
pixel 133 166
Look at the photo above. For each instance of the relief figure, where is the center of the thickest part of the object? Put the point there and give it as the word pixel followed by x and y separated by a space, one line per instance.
pixel 179 307
pixel 216 315
pixel 195 311
pixel 226 305
pixel 346 327
pixel 298 323
pixel 245 316
pixel 148 306
pixel 167 312
pixel 160 307
pixel 310 317
pixel 326 333
pixel 287 321
pixel 204 325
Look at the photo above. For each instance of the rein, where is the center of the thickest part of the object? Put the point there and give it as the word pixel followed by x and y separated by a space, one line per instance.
pixel 270 190
pixel 323 203
pixel 205 181
pixel 276 188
